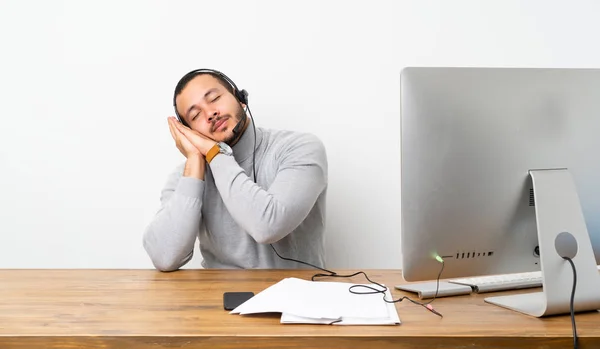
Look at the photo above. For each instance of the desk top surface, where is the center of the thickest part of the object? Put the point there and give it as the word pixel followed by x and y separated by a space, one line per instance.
pixel 164 308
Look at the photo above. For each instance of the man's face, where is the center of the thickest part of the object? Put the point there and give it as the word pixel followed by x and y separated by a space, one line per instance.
pixel 209 108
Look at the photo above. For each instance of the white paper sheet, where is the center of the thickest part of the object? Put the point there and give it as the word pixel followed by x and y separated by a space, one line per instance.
pixel 302 301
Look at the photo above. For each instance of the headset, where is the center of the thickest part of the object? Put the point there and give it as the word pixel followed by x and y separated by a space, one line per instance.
pixel 240 95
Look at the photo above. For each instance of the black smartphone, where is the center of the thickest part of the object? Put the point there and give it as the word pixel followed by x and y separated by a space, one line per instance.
pixel 232 300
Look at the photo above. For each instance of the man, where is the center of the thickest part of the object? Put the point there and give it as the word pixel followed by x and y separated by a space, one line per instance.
pixel 246 193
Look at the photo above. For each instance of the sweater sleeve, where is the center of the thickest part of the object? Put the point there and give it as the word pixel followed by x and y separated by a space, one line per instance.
pixel 269 214
pixel 169 238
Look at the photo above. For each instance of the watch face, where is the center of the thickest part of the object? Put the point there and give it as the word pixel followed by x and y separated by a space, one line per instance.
pixel 225 148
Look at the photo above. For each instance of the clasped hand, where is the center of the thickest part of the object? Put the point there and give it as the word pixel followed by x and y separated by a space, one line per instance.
pixel 189 142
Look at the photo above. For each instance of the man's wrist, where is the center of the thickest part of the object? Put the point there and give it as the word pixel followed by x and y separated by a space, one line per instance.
pixel 212 152
pixel 210 145
pixel 194 167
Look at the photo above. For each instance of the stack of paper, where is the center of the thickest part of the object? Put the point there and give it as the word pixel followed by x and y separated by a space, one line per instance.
pixel 319 302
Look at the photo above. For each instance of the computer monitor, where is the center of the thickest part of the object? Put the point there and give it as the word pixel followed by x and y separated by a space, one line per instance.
pixel 500 173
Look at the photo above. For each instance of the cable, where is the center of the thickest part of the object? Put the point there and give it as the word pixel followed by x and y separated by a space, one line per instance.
pixel 426 305
pixel 437 281
pixel 330 273
pixel 373 290
pixel 254 151
pixel 575 340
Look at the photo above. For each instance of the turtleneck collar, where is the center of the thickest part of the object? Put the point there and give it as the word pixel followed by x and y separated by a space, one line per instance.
pixel 244 148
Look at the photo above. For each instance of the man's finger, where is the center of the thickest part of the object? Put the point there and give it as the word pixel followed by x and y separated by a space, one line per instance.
pixel 178 125
pixel 182 127
pixel 186 142
pixel 172 129
pixel 189 133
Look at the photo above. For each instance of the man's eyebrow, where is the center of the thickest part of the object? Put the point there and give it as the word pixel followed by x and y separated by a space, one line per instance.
pixel 212 90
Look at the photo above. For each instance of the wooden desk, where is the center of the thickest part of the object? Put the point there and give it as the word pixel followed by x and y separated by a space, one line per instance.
pixel 184 309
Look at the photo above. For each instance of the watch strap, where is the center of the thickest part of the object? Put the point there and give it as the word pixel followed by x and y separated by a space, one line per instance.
pixel 212 152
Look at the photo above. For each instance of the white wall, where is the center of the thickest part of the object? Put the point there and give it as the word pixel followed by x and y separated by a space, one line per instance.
pixel 85 89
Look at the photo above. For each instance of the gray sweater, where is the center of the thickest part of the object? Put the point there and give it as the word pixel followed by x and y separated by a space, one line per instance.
pixel 236 219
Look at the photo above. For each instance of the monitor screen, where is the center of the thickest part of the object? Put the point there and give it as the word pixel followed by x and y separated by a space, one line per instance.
pixel 475 143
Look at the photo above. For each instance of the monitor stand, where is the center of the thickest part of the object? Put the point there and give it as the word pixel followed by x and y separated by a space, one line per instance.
pixel 561 232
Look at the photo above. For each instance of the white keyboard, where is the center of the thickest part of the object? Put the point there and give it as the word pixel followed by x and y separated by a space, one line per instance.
pixel 504 282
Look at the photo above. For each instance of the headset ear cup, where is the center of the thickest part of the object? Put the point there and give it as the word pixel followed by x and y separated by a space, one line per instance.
pixel 243 97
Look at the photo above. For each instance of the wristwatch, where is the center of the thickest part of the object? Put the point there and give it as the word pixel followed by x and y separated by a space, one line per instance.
pixel 218 148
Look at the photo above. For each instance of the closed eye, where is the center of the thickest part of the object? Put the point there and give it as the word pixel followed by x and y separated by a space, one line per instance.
pixel 197 114
pixel 216 98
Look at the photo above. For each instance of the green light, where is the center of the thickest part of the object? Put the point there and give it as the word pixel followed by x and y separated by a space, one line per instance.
pixel 439 259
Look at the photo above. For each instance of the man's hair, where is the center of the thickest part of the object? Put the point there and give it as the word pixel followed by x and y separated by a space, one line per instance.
pixel 186 79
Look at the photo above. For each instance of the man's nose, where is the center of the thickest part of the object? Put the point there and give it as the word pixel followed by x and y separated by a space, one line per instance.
pixel 213 115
